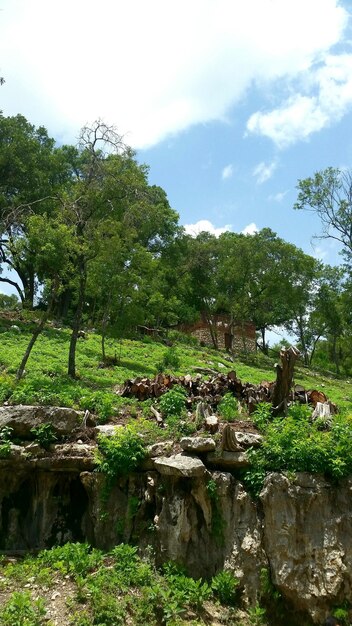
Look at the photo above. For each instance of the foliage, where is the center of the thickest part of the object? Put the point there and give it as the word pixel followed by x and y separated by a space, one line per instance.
pixel 44 434
pixel 217 522
pixel 21 610
pixel 77 559
pixel 228 407
pixel 121 453
pixel 297 444
pixel 5 441
pixel 170 360
pixel 98 402
pixel 172 402
pixel 225 587
pixel 262 415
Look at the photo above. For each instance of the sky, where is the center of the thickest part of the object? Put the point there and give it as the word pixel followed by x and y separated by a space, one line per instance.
pixel 230 102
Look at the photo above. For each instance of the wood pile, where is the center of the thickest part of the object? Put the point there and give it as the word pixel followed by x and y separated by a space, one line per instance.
pixel 212 389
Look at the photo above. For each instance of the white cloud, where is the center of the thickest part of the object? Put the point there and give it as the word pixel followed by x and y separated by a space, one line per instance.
pixel 155 68
pixel 207 226
pixel 278 197
pixel 263 171
pixel 329 95
pixel 251 229
pixel 227 172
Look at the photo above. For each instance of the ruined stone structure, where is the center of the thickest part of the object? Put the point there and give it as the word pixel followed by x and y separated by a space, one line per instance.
pixel 241 338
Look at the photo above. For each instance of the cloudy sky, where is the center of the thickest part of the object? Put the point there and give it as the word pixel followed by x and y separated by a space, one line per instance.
pixel 230 102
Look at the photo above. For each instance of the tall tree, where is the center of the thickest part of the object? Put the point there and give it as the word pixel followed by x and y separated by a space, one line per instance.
pixel 110 190
pixel 32 171
pixel 329 194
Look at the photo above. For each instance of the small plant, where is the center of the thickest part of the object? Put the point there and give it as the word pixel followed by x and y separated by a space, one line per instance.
pixel 121 453
pixel 228 407
pixel 256 615
pixel 217 522
pixel 21 610
pixel 44 434
pixel 225 587
pixel 173 402
pixel 100 403
pixel 262 415
pixel 170 359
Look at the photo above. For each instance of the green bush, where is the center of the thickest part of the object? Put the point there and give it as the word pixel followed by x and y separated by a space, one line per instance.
pixel 44 434
pixel 21 610
pixel 170 359
pixel 225 587
pixel 98 402
pixel 297 444
pixel 173 401
pixel 228 407
pixel 262 415
pixel 121 453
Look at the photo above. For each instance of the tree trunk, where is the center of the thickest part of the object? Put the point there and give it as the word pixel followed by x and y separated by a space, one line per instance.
pixel 335 355
pixel 38 329
pixel 284 378
pixel 77 321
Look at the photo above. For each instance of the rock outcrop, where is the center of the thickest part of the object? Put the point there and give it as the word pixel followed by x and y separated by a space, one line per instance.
pixel 191 507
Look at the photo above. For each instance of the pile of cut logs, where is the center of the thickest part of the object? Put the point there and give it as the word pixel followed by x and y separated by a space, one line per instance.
pixel 214 388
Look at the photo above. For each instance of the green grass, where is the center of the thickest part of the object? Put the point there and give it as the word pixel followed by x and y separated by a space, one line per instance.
pixel 111 589
pixel 46 381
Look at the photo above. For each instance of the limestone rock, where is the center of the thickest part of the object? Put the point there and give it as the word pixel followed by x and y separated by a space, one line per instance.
pixel 179 466
pixel 23 418
pixel 108 430
pixel 160 448
pixel 197 444
pixel 211 424
pixel 307 538
pixel 224 459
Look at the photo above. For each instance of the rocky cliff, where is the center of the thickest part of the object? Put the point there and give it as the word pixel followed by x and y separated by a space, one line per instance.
pixel 190 507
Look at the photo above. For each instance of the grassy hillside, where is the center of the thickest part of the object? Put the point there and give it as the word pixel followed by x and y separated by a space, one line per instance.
pixel 46 381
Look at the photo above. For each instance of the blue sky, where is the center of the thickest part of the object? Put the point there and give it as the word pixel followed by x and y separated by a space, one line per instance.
pixel 230 102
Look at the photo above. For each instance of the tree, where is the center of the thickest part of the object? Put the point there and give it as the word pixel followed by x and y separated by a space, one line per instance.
pixel 52 240
pixel 110 191
pixel 329 195
pixel 32 172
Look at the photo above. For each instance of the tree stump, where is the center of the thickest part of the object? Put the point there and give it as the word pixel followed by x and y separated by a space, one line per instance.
pixel 284 378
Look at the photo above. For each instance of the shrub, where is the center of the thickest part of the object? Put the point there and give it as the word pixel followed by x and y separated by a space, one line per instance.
pixel 228 407
pixel 20 609
pixel 262 415
pixel 99 403
pixel 121 453
pixel 225 587
pixel 296 444
pixel 170 359
pixel 173 401
pixel 44 434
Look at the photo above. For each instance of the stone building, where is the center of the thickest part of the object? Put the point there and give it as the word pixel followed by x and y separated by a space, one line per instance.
pixel 241 337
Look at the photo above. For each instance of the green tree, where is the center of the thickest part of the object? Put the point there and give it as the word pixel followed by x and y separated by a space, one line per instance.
pixel 329 194
pixel 32 172
pixel 110 190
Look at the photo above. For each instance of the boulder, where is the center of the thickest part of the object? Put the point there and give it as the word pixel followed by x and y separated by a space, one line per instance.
pixel 23 418
pixel 180 466
pixel 224 459
pixel 197 444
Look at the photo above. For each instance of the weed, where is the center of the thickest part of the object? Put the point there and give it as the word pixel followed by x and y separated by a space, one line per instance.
pixel 225 587
pixel 44 434
pixel 217 522
pixel 262 415
pixel 21 610
pixel 228 407
pixel 120 453
pixel 173 402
